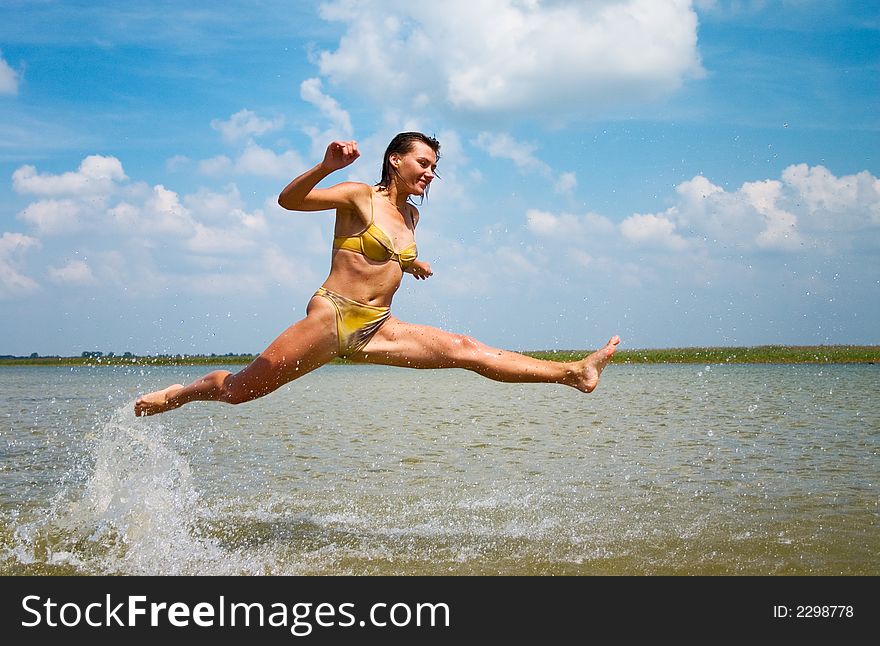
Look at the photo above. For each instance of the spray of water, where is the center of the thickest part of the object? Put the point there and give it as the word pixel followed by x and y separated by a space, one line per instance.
pixel 138 511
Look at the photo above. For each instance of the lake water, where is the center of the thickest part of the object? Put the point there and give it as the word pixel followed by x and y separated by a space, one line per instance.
pixel 665 469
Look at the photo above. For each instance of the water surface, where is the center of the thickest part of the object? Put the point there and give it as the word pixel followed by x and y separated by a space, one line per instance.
pixel 665 469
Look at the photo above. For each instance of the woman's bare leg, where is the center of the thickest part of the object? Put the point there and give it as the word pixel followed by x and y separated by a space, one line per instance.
pixel 304 346
pixel 419 346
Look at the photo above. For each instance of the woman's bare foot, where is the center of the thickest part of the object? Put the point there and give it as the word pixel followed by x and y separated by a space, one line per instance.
pixel 156 402
pixel 589 368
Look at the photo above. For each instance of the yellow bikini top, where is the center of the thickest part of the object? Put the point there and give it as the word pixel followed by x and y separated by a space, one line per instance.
pixel 375 244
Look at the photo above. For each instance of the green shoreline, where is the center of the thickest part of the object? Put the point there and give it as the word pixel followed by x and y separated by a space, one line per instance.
pixel 769 354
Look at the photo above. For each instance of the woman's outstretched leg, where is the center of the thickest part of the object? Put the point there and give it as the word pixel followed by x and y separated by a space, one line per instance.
pixel 301 348
pixel 419 346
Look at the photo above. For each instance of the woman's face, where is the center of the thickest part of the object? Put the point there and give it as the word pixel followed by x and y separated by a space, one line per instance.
pixel 416 168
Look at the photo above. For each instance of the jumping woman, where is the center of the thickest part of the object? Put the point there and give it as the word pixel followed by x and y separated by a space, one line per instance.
pixel 350 314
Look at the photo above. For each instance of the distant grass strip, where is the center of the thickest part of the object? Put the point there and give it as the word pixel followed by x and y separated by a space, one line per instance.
pixel 131 360
pixel 780 354
pixel 784 354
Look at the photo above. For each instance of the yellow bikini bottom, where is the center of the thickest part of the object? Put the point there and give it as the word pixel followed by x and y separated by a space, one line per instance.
pixel 356 323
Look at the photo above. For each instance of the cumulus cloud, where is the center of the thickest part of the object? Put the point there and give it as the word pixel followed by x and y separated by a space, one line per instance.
pixel 137 233
pixel 13 247
pixel 220 165
pixel 503 146
pixel 75 273
pixel 177 163
pixel 52 217
pixel 780 226
pixel 244 125
pixel 255 160
pixel 214 240
pixel 567 225
pixel 833 202
pixel 8 78
pixel 225 207
pixel 653 230
pixel 566 183
pixel 340 123
pixel 96 175
pixel 808 209
pixel 510 56
pixel 279 268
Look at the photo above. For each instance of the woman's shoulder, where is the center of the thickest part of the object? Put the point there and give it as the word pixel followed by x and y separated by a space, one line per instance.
pixel 353 195
pixel 355 188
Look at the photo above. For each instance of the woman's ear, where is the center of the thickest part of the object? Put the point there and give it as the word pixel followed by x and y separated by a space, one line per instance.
pixel 394 158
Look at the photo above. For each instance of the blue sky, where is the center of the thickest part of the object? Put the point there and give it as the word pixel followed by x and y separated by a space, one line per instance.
pixel 679 173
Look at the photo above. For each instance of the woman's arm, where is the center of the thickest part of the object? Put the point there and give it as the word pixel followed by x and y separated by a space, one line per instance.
pixel 420 270
pixel 301 194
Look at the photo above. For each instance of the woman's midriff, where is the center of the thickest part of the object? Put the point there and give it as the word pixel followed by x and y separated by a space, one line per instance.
pixel 363 280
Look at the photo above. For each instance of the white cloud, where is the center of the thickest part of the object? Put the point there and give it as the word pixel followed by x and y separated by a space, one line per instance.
pixel 256 160
pixel 311 91
pixel 52 217
pixel 780 231
pixel 808 208
pixel 244 125
pixel 214 205
pixel 514 262
pixel 177 163
pixel 124 216
pixel 652 230
pixel 96 175
pixel 166 215
pixel 8 78
pixel 504 146
pixel 220 165
pixel 75 272
pixel 214 240
pixel 834 202
pixel 153 234
pixel 509 56
pixel 13 282
pixel 566 225
pixel 544 223
pixel 278 267
pixel 566 183
pixel 697 189
pixel 340 123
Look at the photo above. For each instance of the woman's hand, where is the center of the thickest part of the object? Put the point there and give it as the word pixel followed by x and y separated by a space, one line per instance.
pixel 340 154
pixel 421 270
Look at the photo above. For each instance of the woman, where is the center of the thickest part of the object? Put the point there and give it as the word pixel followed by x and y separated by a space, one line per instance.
pixel 349 316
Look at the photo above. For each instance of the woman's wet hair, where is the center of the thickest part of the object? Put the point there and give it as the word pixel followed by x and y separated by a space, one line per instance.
pixel 402 144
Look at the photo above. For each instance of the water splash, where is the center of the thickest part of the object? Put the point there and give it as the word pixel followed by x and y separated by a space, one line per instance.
pixel 138 511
